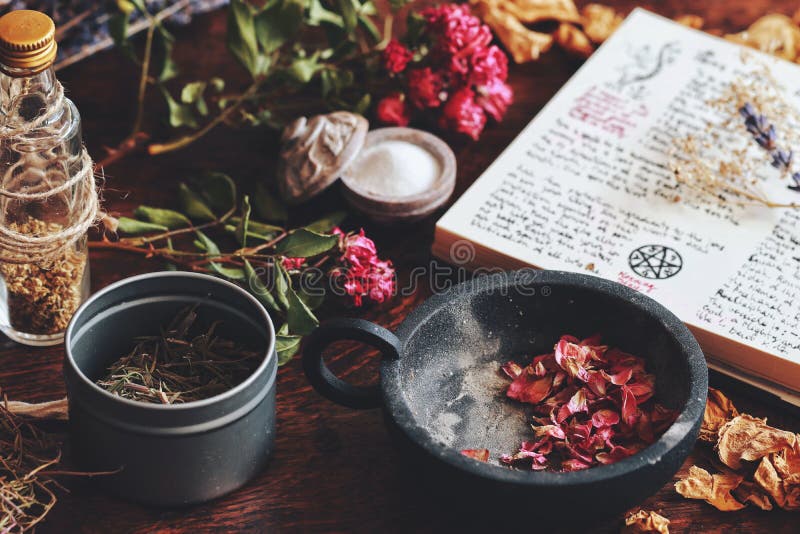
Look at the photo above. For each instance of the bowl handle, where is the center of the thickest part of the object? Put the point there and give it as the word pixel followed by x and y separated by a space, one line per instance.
pixel 328 384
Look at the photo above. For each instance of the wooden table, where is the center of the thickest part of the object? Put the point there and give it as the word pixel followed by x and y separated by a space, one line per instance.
pixel 334 469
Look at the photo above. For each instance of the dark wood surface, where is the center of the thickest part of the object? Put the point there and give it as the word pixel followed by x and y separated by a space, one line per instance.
pixel 334 469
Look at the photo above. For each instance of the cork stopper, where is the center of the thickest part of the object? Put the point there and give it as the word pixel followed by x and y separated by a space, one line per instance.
pixel 27 41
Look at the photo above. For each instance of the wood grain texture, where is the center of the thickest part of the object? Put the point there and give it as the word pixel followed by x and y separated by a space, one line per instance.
pixel 334 469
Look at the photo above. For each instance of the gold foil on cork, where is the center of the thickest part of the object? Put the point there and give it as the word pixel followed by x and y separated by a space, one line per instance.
pixel 27 41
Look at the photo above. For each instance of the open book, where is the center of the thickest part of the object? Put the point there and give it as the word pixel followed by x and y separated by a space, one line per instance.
pixel 588 187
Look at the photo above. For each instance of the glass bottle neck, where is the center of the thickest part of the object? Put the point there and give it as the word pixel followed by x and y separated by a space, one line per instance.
pixel 17 84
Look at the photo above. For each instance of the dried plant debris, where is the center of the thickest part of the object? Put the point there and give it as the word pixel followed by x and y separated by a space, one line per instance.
pixel 593 405
pixel 719 410
pixel 758 129
pixel 774 34
pixel 43 298
pixel 599 21
pixel 522 44
pixel 482 455
pixel 750 438
pixel 573 40
pixel 692 21
pixel 741 441
pixel 27 456
pixel 645 521
pixel 184 363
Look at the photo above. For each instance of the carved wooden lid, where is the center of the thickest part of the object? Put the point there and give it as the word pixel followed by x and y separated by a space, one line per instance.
pixel 315 151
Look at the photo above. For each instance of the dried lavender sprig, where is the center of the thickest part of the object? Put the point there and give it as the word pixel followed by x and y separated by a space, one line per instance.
pixel 766 136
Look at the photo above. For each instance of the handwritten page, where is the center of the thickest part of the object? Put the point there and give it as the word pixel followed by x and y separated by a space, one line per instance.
pixel 587 187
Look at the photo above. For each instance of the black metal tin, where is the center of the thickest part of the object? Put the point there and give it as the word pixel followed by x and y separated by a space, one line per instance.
pixel 441 391
pixel 179 454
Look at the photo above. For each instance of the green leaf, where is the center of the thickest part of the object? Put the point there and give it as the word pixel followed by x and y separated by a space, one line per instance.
pixel 218 190
pixel 135 227
pixel 205 244
pixel 303 69
pixel 217 84
pixel 164 66
pixel 192 93
pixel 179 114
pixel 193 205
pixel 231 273
pixel 365 22
pixel 258 289
pixel 303 243
pixel 267 205
pixel 349 15
pixel 318 14
pixel 278 23
pixel 244 221
pixel 300 319
pixel 363 104
pixel 125 6
pixel 286 346
pixel 334 80
pixel 282 285
pixel 327 223
pixel 255 229
pixel 164 217
pixel 311 301
pixel 241 36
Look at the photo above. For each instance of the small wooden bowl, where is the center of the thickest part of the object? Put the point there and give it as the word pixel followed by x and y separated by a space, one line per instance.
pixel 390 208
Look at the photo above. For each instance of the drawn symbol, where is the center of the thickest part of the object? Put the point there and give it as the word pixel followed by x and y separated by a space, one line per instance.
pixel 655 261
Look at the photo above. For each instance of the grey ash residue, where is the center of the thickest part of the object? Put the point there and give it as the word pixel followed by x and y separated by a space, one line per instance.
pixel 457 392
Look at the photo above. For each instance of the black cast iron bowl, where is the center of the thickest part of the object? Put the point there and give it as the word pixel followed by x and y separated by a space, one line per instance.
pixel 441 390
pixel 177 454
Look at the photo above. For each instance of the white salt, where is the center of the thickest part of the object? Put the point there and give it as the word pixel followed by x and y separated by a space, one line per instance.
pixel 395 168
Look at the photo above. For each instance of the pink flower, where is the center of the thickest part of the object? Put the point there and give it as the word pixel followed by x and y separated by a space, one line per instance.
pixel 456 28
pixel 495 98
pixel 293 263
pixel 396 56
pixel 489 64
pixel 462 114
pixel 393 109
pixel 362 273
pixel 425 88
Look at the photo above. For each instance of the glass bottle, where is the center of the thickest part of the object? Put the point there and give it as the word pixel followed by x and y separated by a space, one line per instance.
pixel 46 189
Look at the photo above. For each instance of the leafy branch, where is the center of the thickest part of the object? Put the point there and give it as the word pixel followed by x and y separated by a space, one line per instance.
pixel 211 212
pixel 316 49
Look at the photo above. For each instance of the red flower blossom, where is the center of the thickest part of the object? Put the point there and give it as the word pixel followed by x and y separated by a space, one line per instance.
pixel 393 109
pixel 489 64
pixel 362 273
pixel 425 88
pixel 396 56
pixel 495 99
pixel 456 28
pixel 293 263
pixel 462 114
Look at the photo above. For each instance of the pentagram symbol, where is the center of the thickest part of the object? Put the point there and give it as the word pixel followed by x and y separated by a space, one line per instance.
pixel 655 261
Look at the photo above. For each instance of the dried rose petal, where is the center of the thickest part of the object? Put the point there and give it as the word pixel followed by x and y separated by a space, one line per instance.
pixel 597 400
pixel 749 438
pixel 719 410
pixel 714 489
pixel 749 493
pixel 482 455
pixel 527 388
pixel 628 409
pixel 576 404
pixel 605 417
pixel 512 369
pixel 645 521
